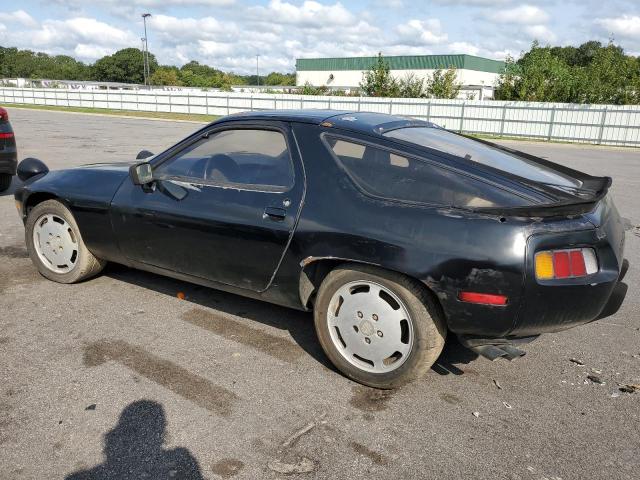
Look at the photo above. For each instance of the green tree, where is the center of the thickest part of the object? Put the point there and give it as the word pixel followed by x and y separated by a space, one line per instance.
pixel 123 66
pixel 411 87
pixel 378 81
pixel 444 84
pixel 166 76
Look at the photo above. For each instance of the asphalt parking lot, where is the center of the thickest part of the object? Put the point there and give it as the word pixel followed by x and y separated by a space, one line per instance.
pixel 117 377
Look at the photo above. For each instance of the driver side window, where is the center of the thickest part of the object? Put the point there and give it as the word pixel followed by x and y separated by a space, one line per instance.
pixel 242 156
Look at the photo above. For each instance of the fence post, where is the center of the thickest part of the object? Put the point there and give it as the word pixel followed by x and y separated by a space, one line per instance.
pixel 390 106
pixel 602 123
pixel 359 103
pixel 462 117
pixel 227 104
pixel 301 102
pixel 275 103
pixel 251 102
pixel 553 116
pixel 504 116
pixel 429 111
pixel 329 103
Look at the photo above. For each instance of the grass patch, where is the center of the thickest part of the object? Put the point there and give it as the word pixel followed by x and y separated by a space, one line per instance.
pixel 122 113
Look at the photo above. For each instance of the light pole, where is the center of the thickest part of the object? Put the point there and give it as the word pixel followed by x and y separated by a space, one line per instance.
pixel 258 68
pixel 146 48
pixel 144 61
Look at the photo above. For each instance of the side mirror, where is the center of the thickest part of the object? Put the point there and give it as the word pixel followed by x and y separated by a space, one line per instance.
pixel 141 173
pixel 142 154
pixel 30 167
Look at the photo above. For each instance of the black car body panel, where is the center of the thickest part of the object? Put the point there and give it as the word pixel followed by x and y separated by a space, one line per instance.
pixel 277 244
pixel 8 150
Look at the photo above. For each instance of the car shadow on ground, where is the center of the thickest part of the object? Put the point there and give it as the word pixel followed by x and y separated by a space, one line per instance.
pixel 133 449
pixel 299 324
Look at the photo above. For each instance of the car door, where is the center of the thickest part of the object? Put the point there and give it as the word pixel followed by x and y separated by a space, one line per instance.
pixel 222 207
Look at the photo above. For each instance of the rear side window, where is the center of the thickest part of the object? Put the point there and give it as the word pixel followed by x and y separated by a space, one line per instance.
pixel 389 175
pixel 473 151
pixel 239 156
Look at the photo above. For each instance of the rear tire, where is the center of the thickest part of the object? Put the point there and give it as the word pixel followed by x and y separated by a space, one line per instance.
pixel 57 249
pixel 379 328
pixel 5 181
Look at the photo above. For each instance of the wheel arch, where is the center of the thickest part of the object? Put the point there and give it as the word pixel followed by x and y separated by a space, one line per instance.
pixel 315 270
pixel 36 198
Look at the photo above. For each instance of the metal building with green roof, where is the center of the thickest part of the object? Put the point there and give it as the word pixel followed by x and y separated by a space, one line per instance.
pixel 477 74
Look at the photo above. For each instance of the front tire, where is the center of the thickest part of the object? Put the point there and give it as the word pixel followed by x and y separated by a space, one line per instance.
pixel 379 328
pixel 5 181
pixel 55 244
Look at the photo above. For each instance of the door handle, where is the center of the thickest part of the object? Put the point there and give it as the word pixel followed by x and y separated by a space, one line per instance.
pixel 274 213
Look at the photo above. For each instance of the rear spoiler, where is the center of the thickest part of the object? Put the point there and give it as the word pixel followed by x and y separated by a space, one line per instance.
pixel 555 209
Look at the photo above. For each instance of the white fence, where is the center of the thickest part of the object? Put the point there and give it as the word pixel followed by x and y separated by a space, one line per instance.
pixel 599 124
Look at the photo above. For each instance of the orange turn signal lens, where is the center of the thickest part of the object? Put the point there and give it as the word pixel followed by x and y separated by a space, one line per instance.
pixel 544 266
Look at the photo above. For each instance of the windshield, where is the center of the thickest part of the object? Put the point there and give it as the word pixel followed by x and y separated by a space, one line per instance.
pixel 473 151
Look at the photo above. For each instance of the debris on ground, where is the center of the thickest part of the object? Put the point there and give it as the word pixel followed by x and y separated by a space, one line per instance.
pixel 615 394
pixel 181 295
pixel 596 379
pixel 91 407
pixel 629 387
pixel 305 465
pixel 577 362
pixel 596 371
pixel 476 414
pixel 298 433
pixel 495 382
pixel 507 405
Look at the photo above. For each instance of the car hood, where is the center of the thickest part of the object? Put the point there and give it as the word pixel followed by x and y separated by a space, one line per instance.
pixel 111 166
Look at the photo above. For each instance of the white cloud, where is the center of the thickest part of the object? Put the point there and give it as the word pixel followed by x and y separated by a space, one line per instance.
pixel 310 14
pixel 523 15
pixel 463 47
pixel 627 26
pixel 540 32
pixel 419 32
pixel 19 16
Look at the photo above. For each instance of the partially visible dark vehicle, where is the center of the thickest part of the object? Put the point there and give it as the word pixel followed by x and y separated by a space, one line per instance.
pixel 392 230
pixel 8 153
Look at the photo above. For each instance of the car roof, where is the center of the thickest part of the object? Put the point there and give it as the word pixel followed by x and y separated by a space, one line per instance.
pixel 364 122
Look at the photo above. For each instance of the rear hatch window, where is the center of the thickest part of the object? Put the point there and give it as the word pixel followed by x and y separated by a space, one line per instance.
pixel 484 154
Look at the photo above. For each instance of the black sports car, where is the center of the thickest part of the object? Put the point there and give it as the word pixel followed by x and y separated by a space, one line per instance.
pixel 392 230
pixel 8 154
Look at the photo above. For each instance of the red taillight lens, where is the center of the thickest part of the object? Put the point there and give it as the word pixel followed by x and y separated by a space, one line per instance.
pixel 482 298
pixel 6 135
pixel 560 264
pixel 4 115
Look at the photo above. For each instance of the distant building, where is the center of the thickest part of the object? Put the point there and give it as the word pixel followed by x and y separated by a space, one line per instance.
pixel 478 75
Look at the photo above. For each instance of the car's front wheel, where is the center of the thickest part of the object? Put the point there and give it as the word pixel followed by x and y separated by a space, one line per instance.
pixel 5 181
pixel 379 328
pixel 55 244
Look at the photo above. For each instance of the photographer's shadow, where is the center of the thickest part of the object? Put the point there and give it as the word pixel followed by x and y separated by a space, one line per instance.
pixel 134 449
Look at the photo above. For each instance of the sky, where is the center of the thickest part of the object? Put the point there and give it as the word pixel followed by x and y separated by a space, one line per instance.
pixel 228 34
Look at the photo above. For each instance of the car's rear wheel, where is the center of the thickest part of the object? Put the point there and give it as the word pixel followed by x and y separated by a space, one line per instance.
pixel 5 181
pixel 55 244
pixel 379 328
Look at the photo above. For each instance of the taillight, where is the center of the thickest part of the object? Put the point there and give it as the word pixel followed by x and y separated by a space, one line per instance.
pixel 6 135
pixel 559 264
pixel 4 115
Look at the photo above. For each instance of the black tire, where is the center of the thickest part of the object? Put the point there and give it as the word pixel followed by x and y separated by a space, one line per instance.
pixel 5 181
pixel 86 266
pixel 429 329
